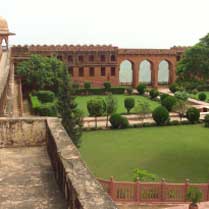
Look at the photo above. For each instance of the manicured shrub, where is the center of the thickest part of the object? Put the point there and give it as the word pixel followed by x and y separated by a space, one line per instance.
pixel 129 90
pixel 154 93
pixel 202 96
pixel 141 88
pixel 47 109
pixel 87 85
pixel 107 85
pixel 169 102
pixel 160 115
pixel 163 96
pixel 35 103
pixel 96 107
pixel 118 121
pixel 129 103
pixel 183 95
pixel 173 87
pixel 193 114
pixel 206 120
pixel 45 96
pixel 124 123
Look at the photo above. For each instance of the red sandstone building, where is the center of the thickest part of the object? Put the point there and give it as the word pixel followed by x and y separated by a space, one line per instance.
pixel 97 64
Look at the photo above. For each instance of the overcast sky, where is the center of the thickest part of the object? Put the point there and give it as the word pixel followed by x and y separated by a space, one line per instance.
pixel 124 23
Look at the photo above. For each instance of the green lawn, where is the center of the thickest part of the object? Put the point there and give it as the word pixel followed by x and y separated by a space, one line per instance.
pixel 82 101
pixel 173 153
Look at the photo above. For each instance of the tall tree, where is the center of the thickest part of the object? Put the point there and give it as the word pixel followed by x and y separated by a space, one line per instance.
pixel 142 109
pixel 96 108
pixel 111 106
pixel 194 64
pixel 71 116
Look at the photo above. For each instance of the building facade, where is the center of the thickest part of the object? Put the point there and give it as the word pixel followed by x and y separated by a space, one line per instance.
pixel 100 63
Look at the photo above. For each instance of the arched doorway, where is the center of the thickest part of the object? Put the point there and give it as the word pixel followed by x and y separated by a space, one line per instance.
pixel 126 73
pixel 145 72
pixel 163 72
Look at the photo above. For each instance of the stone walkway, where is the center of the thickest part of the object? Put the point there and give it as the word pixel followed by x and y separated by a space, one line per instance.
pixel 27 180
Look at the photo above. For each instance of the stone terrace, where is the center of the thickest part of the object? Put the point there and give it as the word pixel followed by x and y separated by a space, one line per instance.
pixel 27 180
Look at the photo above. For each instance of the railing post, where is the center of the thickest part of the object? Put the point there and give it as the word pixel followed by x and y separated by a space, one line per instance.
pixel 208 192
pixel 138 193
pixel 185 189
pixel 162 189
pixel 112 188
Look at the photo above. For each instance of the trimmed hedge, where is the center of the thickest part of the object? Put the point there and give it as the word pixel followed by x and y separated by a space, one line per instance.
pixel 141 88
pixel 168 102
pixel 193 114
pixel 118 121
pixel 202 96
pixel 45 96
pixel 43 109
pixel 160 115
pixel 153 93
pixel 100 91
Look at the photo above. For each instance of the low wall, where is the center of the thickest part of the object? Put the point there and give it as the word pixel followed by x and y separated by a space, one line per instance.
pixel 17 132
pixel 4 80
pixel 81 189
pixel 151 192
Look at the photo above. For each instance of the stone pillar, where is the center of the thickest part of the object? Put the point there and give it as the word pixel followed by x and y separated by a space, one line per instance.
pixel 135 68
pixel 155 75
pixel 172 73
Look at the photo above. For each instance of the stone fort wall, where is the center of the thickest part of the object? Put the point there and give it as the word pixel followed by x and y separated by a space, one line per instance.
pixel 100 63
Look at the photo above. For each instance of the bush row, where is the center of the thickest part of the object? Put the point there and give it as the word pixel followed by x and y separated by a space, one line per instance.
pixel 100 91
pixel 43 108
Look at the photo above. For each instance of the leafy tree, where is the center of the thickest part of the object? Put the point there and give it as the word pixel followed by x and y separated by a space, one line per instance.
pixel 111 106
pixel 142 109
pixel 129 103
pixel 71 116
pixel 160 115
pixel 39 72
pixel 96 107
pixel 193 114
pixel 143 175
pixel 194 64
pixel 180 107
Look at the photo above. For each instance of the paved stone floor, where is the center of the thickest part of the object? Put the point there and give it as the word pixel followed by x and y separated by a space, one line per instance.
pixel 27 180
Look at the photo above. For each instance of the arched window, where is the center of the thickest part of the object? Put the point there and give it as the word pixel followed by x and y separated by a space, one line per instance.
pixel 126 73
pixel 145 72
pixel 163 72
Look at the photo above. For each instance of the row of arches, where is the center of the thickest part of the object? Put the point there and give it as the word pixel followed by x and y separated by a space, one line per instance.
pixel 145 72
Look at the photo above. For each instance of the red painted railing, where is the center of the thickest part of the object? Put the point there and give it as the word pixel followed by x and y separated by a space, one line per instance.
pixel 152 192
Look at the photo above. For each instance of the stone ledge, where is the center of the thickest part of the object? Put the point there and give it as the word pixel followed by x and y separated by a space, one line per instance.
pixel 89 192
